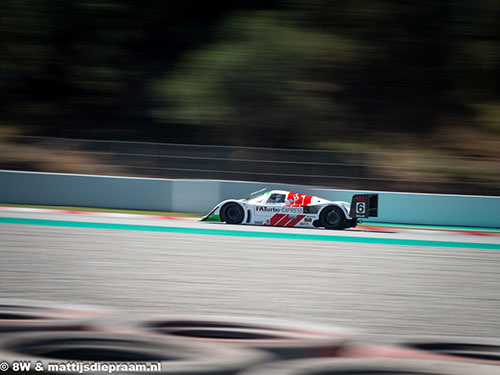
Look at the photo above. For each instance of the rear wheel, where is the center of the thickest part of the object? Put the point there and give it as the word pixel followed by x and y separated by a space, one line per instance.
pixel 332 218
pixel 232 213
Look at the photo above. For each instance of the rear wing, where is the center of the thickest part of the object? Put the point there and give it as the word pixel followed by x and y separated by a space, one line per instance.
pixel 364 206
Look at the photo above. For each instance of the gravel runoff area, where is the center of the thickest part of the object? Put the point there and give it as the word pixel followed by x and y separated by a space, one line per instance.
pixel 376 288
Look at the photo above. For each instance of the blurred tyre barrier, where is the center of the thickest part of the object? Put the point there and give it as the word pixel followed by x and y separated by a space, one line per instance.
pixel 470 349
pixel 368 366
pixel 458 349
pixel 89 348
pixel 283 338
pixel 198 344
pixel 20 315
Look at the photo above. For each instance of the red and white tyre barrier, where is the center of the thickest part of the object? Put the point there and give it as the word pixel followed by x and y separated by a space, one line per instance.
pixel 21 315
pixel 283 338
pixel 98 348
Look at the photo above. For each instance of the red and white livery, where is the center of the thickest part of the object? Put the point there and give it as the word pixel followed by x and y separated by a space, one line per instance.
pixel 287 209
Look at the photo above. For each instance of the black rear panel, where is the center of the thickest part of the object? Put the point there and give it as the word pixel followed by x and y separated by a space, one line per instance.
pixel 364 206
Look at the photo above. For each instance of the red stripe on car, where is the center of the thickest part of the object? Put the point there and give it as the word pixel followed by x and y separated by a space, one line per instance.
pixel 282 221
pixel 276 218
pixel 294 222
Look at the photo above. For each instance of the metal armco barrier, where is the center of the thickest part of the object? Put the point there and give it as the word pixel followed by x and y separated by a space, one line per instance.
pixel 199 196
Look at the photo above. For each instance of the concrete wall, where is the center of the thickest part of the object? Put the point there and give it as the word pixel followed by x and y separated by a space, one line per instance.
pixel 200 196
pixel 82 190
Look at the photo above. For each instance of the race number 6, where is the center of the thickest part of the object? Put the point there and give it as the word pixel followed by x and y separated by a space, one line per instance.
pixel 360 207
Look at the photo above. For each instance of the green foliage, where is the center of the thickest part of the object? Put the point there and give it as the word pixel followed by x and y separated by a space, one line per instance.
pixel 226 72
pixel 264 72
pixel 488 116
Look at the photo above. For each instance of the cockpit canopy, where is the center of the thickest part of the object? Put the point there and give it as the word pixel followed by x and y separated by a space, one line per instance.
pixel 276 198
pixel 271 197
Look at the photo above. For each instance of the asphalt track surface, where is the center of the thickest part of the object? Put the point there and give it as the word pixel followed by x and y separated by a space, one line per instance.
pixel 417 282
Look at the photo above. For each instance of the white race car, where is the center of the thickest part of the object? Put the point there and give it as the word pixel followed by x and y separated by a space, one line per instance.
pixel 287 209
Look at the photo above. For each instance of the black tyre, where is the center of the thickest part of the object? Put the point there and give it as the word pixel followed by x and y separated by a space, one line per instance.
pixel 232 213
pixel 465 348
pixel 27 316
pixel 332 217
pixel 281 338
pixel 87 348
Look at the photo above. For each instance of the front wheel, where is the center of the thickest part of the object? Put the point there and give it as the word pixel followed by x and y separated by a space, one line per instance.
pixel 332 218
pixel 232 213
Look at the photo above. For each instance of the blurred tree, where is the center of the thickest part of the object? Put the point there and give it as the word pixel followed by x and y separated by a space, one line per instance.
pixel 340 69
pixel 225 71
pixel 80 67
pixel 431 62
pixel 264 82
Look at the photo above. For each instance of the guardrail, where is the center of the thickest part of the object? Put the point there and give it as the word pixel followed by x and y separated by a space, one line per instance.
pixel 199 196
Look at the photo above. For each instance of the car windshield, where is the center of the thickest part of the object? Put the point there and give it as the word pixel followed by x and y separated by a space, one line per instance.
pixel 276 198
